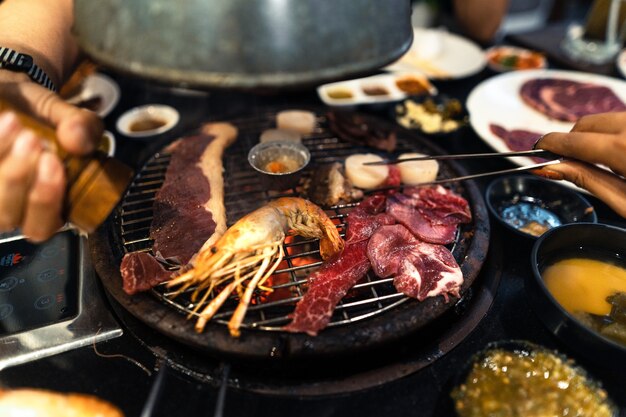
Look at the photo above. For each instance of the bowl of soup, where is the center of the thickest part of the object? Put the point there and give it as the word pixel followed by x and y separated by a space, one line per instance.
pixel 578 289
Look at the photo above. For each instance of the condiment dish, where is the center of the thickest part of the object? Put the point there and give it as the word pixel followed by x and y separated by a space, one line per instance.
pixel 279 164
pixel 570 243
pixel 437 116
pixel 107 143
pixel 528 206
pixel 148 120
pixel 376 89
pixel 512 58
pixel 508 376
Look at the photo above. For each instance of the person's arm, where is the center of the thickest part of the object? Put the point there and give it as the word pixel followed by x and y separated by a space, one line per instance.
pixel 41 28
pixel 597 139
pixel 480 19
pixel 32 179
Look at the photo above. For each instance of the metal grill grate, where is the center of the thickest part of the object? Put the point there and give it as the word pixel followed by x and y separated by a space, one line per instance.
pixel 244 193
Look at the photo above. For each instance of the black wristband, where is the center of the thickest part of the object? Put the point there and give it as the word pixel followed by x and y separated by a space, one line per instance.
pixel 15 61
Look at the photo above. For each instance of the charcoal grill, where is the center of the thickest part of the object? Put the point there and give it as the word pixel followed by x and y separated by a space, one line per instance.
pixel 373 313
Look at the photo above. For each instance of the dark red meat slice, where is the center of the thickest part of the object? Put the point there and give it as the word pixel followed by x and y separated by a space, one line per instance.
pixel 394 177
pixel 568 100
pixel 180 224
pixel 366 217
pixel 517 139
pixel 142 271
pixel 420 269
pixel 331 282
pixel 327 286
pixel 361 129
pixel 409 216
pixel 441 205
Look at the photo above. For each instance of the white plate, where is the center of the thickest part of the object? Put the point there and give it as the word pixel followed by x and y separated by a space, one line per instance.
pixel 95 85
pixel 497 100
pixel 440 55
pixel 621 62
pixel 166 115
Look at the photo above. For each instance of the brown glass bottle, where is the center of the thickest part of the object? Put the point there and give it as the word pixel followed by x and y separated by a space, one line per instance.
pixel 95 183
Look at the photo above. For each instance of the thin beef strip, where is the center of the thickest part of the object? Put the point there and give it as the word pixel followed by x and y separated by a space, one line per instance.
pixel 331 282
pixel 185 213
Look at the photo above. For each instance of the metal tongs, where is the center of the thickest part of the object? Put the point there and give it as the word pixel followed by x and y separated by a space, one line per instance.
pixel 553 159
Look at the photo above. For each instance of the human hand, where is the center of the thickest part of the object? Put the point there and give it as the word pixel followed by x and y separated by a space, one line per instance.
pixel 32 178
pixel 595 139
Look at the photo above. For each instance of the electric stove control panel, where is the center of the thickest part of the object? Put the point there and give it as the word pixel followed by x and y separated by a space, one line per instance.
pixel 50 300
pixel 38 283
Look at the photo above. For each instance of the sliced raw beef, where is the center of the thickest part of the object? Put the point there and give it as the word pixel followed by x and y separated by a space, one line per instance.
pixel 410 217
pixel 568 100
pixel 327 286
pixel 184 209
pixel 361 129
pixel 430 213
pixel 420 269
pixel 142 271
pixel 181 224
pixel 366 217
pixel 331 282
pixel 516 139
pixel 440 204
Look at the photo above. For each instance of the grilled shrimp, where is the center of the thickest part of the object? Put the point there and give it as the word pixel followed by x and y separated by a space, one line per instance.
pixel 248 253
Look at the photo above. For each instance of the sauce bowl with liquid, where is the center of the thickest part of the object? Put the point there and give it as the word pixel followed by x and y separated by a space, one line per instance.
pixel 148 120
pixel 529 206
pixel 279 164
pixel 579 272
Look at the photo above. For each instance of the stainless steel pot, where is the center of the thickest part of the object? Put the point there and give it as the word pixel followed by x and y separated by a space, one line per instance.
pixel 244 43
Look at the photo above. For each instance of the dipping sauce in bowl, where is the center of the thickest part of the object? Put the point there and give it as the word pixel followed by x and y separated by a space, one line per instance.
pixel 283 164
pixel 578 289
pixel 146 124
pixel 149 120
pixel 279 164
pixel 107 143
pixel 530 206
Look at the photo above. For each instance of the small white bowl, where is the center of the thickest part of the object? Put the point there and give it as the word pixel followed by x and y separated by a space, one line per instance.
pixel 98 86
pixel 107 144
pixel 160 117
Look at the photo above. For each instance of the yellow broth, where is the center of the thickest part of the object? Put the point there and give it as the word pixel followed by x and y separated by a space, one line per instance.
pixel 583 285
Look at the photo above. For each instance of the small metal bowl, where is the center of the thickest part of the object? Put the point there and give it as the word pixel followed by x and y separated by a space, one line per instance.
pixel 528 205
pixel 586 240
pixel 285 153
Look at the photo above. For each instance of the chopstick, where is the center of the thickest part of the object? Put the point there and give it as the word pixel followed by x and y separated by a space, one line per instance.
pixel 472 176
pixel 534 152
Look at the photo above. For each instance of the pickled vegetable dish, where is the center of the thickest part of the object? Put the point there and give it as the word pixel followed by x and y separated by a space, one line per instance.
pixel 528 383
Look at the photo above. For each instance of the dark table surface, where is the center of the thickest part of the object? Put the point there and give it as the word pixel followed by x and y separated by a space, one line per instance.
pixel 101 370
